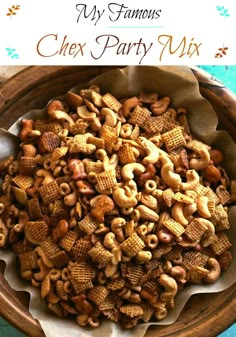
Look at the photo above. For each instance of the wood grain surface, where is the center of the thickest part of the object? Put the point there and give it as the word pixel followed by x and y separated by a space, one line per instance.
pixel 204 315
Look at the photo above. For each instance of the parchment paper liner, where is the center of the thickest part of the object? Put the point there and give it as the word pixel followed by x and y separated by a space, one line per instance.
pixel 180 84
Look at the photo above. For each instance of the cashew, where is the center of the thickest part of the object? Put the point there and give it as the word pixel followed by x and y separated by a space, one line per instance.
pixel 170 286
pixel 214 271
pixel 48 177
pixel 130 104
pixel 128 170
pixel 117 225
pixel 124 197
pixel 189 210
pixel 110 163
pixel 151 151
pixel 170 178
pixel 62 115
pixel 202 162
pixel 210 231
pixel 179 274
pixel 70 199
pixel 147 213
pixel 109 240
pixel 177 213
pixel 85 114
pixel 44 270
pixel 202 206
pixel 110 116
pixel 192 180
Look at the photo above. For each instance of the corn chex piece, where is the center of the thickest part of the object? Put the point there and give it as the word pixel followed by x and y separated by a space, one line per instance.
pixel 88 224
pixel 80 287
pixel 139 116
pixel 98 294
pixel 135 133
pixel 98 142
pixel 154 125
pixel 221 244
pixel 173 138
pixel 168 196
pixel 132 245
pixel 116 284
pixel 22 181
pixel 60 259
pixel 191 259
pixel 59 153
pixel 81 249
pixel 183 198
pixel 34 208
pixel 68 241
pixel 28 260
pixel 126 154
pixel 82 272
pixel 49 192
pixel 100 255
pixel 109 135
pixel 27 165
pixel 6 183
pixel 201 190
pixel 36 231
pixel 176 228
pixel 111 102
pixel 148 97
pixel 195 230
pixel 131 310
pixel 93 166
pixel 106 180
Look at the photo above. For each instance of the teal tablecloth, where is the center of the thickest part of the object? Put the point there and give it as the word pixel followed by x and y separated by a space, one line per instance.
pixel 225 74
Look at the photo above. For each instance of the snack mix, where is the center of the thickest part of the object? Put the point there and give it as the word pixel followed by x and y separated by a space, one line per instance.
pixel 112 207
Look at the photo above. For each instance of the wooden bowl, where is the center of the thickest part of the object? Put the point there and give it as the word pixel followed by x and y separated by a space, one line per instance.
pixel 204 315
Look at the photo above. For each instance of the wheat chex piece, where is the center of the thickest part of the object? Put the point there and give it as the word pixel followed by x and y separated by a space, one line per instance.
pixel 98 294
pixel 132 245
pixel 131 310
pixel 139 116
pixel 54 126
pixel 154 125
pixel 135 133
pixel 22 247
pixel 81 249
pixel 48 142
pixel 109 303
pixel 73 100
pixel 221 244
pixel 49 247
pixel 175 227
pixel 233 189
pixel 112 314
pixel 212 195
pixel 161 249
pixel 134 273
pixel 173 138
pixel 49 192
pixel 36 231
pixel 81 287
pixel 100 255
pixel 116 284
pixel 152 285
pixel 148 97
pixel 207 241
pixel 175 254
pixel 191 259
pixel 28 260
pixel 148 312
pixel 27 165
pixel 68 241
pixel 88 224
pixel 23 181
pixel 82 272
pixel 223 194
pixel 111 102
pixel 60 259
pixel 34 208
pixel 6 183
pixel 106 180
pixel 195 230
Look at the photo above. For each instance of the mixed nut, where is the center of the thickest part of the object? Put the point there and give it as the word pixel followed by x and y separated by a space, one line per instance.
pixel 113 206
